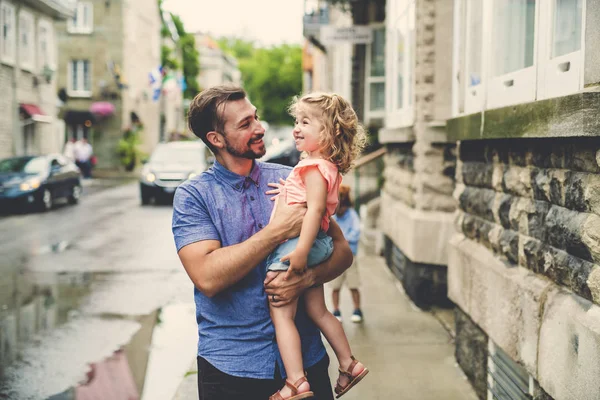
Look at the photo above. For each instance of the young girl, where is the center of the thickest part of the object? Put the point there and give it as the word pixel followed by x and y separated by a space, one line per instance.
pixel 328 132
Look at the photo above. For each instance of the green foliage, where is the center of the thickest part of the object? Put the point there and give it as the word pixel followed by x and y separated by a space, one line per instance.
pixel 166 59
pixel 271 76
pixel 190 56
pixel 127 148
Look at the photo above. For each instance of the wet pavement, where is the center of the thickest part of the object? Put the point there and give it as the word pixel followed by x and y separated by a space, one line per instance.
pixel 93 301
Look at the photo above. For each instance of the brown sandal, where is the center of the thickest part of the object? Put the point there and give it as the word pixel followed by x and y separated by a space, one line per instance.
pixel 294 388
pixel 341 390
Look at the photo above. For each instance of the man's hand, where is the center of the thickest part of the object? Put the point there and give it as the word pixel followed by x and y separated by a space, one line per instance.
pixel 287 218
pixel 286 291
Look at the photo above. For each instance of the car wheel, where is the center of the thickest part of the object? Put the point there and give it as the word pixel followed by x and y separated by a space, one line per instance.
pixel 75 194
pixel 45 202
pixel 145 196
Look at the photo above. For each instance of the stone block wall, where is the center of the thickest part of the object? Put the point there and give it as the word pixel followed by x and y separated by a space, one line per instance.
pixel 536 204
pixel 524 265
pixel 420 166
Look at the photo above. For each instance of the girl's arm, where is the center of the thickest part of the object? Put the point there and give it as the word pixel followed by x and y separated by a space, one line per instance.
pixel 316 204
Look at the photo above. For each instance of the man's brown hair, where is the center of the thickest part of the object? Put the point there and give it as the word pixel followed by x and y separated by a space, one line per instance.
pixel 206 114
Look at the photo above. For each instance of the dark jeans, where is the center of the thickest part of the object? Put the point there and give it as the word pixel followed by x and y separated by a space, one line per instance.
pixel 216 385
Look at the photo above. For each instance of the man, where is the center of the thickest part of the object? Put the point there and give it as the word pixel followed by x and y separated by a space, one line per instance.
pixel 223 235
pixel 83 153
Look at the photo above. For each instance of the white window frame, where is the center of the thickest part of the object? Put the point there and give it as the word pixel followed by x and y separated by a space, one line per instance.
pixel 401 18
pixel 546 78
pixel 8 47
pixel 561 75
pixel 81 26
pixel 475 96
pixel 517 86
pixel 26 54
pixel 369 114
pixel 78 91
pixel 50 45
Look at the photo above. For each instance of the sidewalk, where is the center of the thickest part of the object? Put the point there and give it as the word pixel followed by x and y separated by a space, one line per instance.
pixel 409 352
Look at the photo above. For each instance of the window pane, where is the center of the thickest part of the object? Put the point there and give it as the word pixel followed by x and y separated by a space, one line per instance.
pixel 86 76
pixel 74 73
pixel 378 52
pixel 377 96
pixel 514 27
pixel 43 33
pixel 400 69
pixel 566 31
pixel 475 29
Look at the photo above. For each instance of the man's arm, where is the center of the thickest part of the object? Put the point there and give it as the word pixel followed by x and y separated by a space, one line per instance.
pixel 213 268
pixel 287 290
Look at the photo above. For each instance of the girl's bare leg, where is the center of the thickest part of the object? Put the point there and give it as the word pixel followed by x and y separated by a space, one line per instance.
pixel 331 328
pixel 288 341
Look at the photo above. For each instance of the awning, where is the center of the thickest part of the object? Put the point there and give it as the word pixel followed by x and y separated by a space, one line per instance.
pixel 76 117
pixel 34 112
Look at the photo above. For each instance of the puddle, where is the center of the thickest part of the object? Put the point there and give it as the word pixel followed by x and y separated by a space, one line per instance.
pixel 52 348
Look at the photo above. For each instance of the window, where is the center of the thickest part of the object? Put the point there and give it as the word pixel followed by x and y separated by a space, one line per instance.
pixel 83 20
pixel 375 85
pixel 80 81
pixel 8 34
pixel 26 43
pixel 46 54
pixel 512 61
pixel 474 77
pixel 517 51
pixel 560 54
pixel 400 63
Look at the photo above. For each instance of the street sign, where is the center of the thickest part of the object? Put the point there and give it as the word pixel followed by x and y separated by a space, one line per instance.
pixel 358 34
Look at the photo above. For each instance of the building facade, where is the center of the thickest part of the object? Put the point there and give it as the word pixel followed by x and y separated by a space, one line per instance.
pixel 108 52
pixel 523 261
pixel 488 114
pixel 28 76
pixel 216 67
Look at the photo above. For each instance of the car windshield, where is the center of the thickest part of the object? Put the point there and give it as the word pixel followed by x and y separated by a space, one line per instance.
pixel 180 155
pixel 27 165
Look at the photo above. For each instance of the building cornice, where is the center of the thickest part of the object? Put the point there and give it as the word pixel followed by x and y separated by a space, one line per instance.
pixel 57 9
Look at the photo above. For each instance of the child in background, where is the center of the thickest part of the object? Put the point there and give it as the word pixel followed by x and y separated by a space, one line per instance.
pixel 327 131
pixel 349 222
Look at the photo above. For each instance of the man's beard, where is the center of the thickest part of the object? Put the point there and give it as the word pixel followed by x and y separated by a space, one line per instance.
pixel 247 153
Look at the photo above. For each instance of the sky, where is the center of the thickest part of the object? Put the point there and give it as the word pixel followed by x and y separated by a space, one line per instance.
pixel 268 22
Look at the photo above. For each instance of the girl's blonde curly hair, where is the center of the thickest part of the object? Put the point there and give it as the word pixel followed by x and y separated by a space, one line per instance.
pixel 343 138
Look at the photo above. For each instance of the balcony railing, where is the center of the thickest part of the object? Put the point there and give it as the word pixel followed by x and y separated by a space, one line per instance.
pixel 313 22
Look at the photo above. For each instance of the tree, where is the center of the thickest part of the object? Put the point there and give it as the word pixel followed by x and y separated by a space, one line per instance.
pixel 190 56
pixel 271 76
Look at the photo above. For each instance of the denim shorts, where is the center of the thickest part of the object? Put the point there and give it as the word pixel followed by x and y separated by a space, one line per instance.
pixel 320 251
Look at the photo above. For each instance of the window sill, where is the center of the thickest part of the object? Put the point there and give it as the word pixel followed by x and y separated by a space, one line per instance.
pixel 576 115
pixel 80 32
pixel 7 61
pixel 82 95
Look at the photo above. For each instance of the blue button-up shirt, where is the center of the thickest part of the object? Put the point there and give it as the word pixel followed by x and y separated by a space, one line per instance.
pixel 235 331
pixel 350 225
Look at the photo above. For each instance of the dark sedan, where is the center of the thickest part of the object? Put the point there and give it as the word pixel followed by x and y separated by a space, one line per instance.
pixel 38 181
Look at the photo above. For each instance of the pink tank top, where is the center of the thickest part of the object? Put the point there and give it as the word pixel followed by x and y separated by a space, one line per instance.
pixel 296 190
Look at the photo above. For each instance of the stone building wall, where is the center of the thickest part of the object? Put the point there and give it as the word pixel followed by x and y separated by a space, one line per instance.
pixel 420 166
pixel 524 265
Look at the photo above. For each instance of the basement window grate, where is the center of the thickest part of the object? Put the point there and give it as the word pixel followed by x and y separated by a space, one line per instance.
pixel 506 379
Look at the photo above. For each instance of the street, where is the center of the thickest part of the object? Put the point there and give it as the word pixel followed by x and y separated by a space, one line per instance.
pixel 93 296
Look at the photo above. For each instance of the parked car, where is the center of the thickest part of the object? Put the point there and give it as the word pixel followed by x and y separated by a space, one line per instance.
pixel 282 152
pixel 169 166
pixel 38 181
